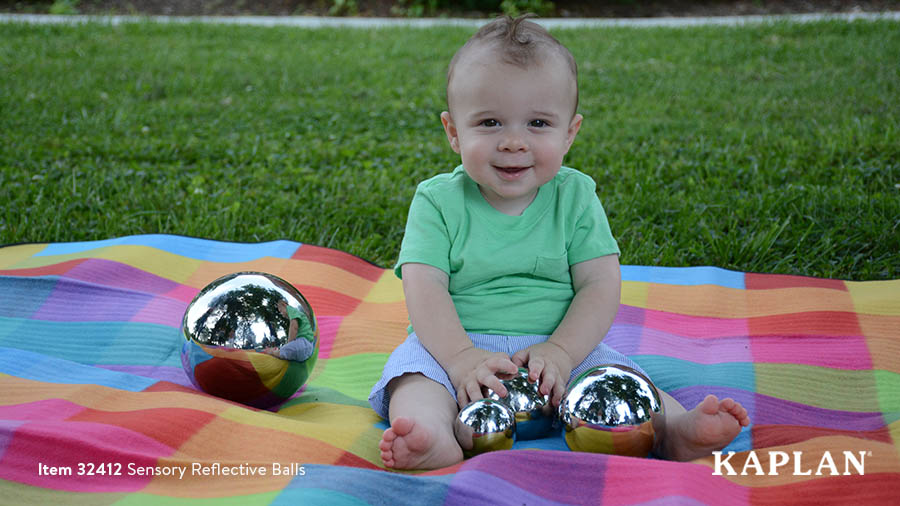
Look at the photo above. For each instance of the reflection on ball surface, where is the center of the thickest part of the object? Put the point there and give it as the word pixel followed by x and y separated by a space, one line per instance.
pixel 485 425
pixel 249 337
pixel 612 409
pixel 532 409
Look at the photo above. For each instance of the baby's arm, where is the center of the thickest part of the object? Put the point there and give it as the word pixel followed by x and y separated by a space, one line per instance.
pixel 597 284
pixel 437 325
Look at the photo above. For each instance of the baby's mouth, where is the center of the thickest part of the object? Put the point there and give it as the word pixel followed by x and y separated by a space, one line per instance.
pixel 511 170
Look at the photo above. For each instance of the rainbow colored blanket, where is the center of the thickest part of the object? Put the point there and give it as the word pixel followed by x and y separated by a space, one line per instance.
pixel 95 407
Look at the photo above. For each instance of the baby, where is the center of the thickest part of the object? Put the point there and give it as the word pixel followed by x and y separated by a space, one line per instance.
pixel 509 261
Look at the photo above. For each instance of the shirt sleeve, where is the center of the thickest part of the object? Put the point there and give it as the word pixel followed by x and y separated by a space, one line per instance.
pixel 591 237
pixel 426 239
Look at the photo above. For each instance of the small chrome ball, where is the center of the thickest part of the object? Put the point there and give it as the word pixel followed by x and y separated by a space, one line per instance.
pixel 249 337
pixel 533 413
pixel 485 425
pixel 612 409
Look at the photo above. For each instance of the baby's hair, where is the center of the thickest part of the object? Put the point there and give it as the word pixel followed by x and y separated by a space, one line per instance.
pixel 517 42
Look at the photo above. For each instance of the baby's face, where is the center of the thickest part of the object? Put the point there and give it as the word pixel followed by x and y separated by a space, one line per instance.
pixel 511 126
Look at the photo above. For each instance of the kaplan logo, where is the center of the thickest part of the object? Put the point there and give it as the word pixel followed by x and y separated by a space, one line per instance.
pixel 778 459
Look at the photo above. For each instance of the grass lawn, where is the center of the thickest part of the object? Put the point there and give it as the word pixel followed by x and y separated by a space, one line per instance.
pixel 772 148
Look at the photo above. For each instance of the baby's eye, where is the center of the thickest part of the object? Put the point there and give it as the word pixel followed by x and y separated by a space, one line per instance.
pixel 539 123
pixel 490 123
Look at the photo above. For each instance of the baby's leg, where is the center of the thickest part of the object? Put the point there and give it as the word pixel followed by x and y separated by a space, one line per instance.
pixel 710 426
pixel 421 433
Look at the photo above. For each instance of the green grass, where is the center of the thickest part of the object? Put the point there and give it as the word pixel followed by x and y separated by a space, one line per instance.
pixel 772 148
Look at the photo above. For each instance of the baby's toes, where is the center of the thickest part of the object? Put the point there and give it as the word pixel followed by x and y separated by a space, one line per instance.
pixel 728 404
pixel 736 410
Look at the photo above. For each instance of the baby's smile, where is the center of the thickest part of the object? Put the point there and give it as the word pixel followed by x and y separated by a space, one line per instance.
pixel 511 172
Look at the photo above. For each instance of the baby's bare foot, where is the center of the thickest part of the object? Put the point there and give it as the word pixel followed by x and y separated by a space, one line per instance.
pixel 408 445
pixel 710 426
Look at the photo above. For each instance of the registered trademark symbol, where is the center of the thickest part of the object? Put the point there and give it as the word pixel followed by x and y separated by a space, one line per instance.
pixel 869 453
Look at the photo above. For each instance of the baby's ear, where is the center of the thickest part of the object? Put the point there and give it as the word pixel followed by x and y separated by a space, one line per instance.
pixel 450 130
pixel 574 126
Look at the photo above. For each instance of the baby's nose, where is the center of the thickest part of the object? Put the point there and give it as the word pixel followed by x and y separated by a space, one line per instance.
pixel 513 141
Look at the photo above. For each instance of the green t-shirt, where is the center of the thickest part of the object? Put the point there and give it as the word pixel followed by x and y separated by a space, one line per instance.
pixel 508 274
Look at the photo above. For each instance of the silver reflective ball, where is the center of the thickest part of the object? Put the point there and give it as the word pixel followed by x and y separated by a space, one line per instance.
pixel 485 425
pixel 612 409
pixel 249 337
pixel 533 413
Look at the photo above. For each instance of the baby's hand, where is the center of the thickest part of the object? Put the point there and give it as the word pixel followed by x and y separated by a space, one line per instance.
pixel 473 368
pixel 550 363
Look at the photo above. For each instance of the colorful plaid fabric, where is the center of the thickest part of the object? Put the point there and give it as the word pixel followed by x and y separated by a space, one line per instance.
pixel 95 407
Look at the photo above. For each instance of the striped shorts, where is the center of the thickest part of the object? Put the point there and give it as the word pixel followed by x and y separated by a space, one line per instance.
pixel 412 357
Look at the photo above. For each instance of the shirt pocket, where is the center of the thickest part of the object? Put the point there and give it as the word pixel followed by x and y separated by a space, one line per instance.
pixel 554 268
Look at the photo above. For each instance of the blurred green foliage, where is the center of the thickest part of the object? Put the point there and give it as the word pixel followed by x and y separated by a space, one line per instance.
pixel 769 148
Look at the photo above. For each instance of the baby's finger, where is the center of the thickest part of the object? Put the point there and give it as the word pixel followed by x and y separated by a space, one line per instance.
pixel 536 370
pixel 461 397
pixel 502 365
pixel 548 380
pixel 491 381
pixel 473 391
pixel 559 390
pixel 520 358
